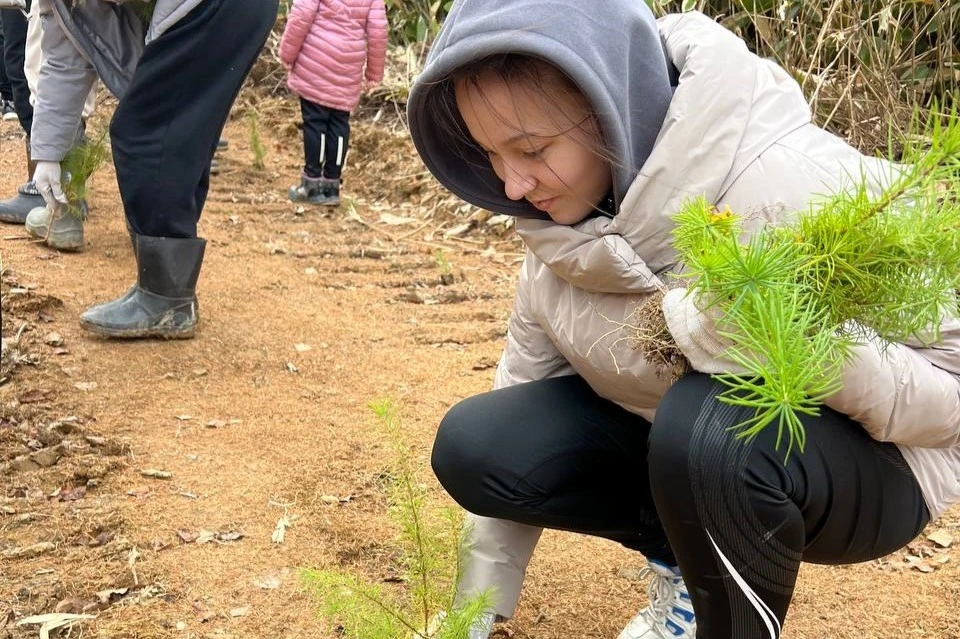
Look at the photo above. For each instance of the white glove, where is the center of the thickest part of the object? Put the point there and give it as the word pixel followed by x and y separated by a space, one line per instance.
pixel 13 4
pixel 696 334
pixel 46 178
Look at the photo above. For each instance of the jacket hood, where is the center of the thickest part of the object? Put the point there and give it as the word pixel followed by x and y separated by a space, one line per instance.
pixel 728 108
pixel 613 53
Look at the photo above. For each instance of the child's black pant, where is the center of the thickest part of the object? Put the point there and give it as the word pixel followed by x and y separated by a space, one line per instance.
pixel 14 54
pixel 731 513
pixel 326 135
pixel 166 127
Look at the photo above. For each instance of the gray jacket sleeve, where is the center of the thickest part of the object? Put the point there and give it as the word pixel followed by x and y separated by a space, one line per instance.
pixel 530 354
pixel 66 78
pixel 499 550
pixel 908 394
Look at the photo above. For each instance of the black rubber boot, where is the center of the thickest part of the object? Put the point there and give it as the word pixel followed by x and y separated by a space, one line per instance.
pixel 163 302
pixel 15 210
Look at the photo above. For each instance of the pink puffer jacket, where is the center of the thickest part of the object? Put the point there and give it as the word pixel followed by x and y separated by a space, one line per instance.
pixel 326 45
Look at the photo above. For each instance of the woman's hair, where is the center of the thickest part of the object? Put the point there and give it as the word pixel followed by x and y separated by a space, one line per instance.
pixel 538 78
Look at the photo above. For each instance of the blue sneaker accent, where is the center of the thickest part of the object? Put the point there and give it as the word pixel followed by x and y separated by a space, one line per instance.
pixel 674 629
pixel 684 613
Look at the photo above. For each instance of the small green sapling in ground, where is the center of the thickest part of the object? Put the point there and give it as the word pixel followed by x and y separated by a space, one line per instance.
pixel 430 542
pixel 256 142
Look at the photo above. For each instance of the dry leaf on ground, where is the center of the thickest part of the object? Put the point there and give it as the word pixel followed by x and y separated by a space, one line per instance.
pixel 53 621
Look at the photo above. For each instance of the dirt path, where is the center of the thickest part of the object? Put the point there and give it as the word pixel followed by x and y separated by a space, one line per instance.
pixel 307 316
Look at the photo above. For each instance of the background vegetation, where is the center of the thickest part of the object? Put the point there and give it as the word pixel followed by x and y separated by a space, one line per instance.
pixel 863 64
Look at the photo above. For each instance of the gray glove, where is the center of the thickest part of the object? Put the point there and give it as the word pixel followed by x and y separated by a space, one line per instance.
pixel 13 4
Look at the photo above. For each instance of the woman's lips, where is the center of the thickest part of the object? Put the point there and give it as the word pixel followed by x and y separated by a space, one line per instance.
pixel 544 204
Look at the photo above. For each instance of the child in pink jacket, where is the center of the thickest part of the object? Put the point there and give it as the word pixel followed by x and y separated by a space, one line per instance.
pixel 331 49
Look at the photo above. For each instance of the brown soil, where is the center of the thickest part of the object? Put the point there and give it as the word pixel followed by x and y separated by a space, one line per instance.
pixel 252 425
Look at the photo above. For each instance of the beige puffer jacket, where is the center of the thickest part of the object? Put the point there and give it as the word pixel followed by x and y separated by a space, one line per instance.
pixel 738 131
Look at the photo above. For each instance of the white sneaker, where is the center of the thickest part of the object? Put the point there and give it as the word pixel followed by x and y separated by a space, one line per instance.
pixel 480 629
pixel 670 614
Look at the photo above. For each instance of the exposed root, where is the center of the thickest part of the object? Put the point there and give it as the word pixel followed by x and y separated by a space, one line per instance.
pixel 649 334
pixel 646 330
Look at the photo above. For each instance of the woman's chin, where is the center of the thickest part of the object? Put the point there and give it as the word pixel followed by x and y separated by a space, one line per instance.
pixel 567 218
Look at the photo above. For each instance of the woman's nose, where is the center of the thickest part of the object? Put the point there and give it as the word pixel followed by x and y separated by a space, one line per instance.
pixel 517 185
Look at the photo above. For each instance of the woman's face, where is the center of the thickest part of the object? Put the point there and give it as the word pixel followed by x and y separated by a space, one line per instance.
pixel 544 148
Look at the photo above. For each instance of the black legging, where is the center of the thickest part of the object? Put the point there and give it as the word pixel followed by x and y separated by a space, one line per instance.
pixel 735 516
pixel 14 54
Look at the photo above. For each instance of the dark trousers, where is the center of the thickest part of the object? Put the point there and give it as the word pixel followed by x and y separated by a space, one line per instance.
pixel 14 52
pixel 165 129
pixel 6 90
pixel 326 135
pixel 734 516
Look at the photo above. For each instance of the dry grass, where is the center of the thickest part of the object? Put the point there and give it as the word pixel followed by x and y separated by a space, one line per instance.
pixel 864 65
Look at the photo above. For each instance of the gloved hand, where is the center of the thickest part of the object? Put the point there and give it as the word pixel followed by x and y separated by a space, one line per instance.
pixel 13 4
pixel 46 177
pixel 695 333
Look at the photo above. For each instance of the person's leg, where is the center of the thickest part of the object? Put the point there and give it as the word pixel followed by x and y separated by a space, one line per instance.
pixel 166 128
pixel 14 48
pixel 163 134
pixel 6 90
pixel 552 453
pixel 741 518
pixel 338 141
pixel 335 154
pixel 14 210
pixel 314 126
pixel 314 187
pixel 62 232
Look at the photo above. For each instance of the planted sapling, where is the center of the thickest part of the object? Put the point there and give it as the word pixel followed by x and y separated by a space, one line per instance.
pixel 429 543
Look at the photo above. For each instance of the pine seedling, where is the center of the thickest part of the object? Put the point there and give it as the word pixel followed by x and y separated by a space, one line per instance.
pixel 443 264
pixel 430 542
pixel 795 300
pixel 256 143
pixel 81 162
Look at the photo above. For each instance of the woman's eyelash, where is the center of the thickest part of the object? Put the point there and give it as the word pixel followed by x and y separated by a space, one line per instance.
pixel 530 153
